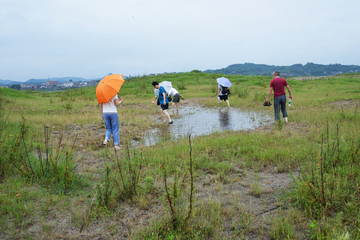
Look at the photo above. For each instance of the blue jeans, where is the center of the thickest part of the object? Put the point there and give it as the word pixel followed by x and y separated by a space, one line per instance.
pixel 112 126
pixel 280 103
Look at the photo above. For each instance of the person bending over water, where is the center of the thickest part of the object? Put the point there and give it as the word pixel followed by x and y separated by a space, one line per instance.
pixel 164 102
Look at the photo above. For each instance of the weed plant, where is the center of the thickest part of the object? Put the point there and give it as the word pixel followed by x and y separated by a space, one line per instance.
pixel 121 184
pixel 50 167
pixel 26 167
pixel 329 186
pixel 172 201
pixel 206 222
pixel 179 206
pixel 104 191
pixel 128 175
pixel 281 228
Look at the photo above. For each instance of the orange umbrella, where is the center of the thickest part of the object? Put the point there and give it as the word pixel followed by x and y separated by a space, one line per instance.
pixel 108 87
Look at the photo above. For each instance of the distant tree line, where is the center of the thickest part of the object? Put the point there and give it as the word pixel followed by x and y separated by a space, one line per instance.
pixel 309 69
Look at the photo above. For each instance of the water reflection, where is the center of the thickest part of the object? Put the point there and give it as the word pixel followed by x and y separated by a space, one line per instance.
pixel 224 119
pixel 204 121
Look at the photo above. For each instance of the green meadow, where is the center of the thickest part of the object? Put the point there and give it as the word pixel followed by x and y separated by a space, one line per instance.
pixel 281 181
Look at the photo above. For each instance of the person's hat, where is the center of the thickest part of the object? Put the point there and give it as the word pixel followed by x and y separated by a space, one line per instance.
pixel 267 104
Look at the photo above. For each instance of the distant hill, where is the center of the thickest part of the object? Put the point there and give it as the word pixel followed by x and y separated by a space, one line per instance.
pixel 7 82
pixel 309 69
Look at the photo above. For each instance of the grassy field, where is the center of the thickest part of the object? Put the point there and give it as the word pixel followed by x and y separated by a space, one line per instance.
pixel 294 181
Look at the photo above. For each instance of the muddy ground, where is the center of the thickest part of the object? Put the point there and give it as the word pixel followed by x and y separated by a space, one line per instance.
pixel 129 218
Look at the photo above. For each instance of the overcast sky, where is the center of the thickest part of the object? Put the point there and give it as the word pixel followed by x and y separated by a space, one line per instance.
pixel 91 38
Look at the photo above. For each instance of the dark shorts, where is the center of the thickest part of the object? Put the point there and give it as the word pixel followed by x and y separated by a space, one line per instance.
pixel 164 107
pixel 223 97
pixel 176 98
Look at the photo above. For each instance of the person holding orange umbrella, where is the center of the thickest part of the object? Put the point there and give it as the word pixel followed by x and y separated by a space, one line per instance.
pixel 107 95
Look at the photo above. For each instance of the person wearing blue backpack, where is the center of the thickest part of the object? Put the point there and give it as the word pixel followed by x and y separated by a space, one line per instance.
pixel 164 102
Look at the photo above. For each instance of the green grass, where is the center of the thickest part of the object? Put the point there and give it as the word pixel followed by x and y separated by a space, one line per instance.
pixel 321 143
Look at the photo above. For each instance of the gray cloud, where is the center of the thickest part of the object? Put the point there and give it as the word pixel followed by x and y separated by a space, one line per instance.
pixel 90 38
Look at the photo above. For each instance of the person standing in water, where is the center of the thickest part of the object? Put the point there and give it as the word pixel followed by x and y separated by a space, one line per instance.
pixel 277 85
pixel 164 102
pixel 175 99
pixel 223 95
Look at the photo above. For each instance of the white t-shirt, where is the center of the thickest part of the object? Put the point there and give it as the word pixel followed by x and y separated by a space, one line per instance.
pixel 172 92
pixel 110 106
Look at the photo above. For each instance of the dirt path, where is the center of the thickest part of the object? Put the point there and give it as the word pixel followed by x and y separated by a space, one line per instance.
pixel 241 194
pixel 255 194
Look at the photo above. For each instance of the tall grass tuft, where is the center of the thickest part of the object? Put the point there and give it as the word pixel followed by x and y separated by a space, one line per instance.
pixel 330 185
pixel 104 191
pixel 128 175
pixel 242 92
pixel 50 166
pixel 259 96
pixel 181 86
pixel 68 105
pixel 180 207
pixel 6 148
pixel 142 89
pixel 281 228
pixel 173 197
pixel 214 88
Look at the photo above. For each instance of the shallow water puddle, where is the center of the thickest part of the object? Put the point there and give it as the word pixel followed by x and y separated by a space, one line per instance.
pixel 204 121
